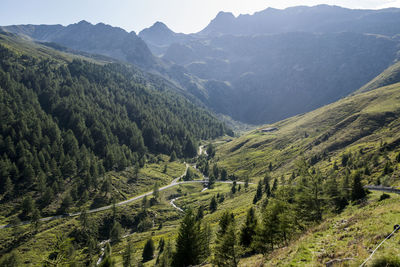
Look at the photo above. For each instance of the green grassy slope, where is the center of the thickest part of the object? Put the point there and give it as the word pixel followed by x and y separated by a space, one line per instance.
pixel 365 130
pixel 364 125
pixel 389 76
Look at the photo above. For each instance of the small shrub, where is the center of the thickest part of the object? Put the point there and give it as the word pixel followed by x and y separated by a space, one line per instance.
pixel 384 196
pixel 386 261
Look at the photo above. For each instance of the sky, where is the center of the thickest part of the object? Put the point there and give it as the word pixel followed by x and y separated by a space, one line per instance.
pixel 185 16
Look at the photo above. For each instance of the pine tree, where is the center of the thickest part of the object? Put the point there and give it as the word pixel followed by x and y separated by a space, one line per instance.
pixel 165 259
pixel 215 171
pixel 116 232
pixel 233 188
pixel 107 186
pixel 210 150
pixel 268 234
pixel 148 251
pixel 213 204
pixel 309 200
pixel 66 203
pixel 128 256
pixel 173 156
pixel 267 187
pixel 357 190
pixel 258 194
pixel 226 249
pixel 274 185
pixel 200 213
pixel 145 203
pixel 346 187
pixel 188 244
pixel 8 187
pixel 224 174
pixel 248 230
pixel 36 218
pixel 205 239
pixel 84 220
pixel 336 199
pixel 27 207
pixel 156 192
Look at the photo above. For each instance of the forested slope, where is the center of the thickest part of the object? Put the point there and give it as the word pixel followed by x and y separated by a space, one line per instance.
pixel 64 120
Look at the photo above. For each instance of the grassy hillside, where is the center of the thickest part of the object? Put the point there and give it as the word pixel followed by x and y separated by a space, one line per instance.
pixel 365 125
pixel 389 76
pixel 351 235
pixel 358 134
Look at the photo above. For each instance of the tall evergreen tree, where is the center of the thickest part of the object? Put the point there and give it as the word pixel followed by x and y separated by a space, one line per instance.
pixel 213 204
pixel 267 187
pixel 258 194
pixel 226 251
pixel 248 230
pixel 148 251
pixel 156 192
pixel 357 190
pixel 127 257
pixel 189 249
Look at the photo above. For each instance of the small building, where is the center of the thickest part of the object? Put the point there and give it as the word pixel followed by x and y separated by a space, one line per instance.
pixel 269 129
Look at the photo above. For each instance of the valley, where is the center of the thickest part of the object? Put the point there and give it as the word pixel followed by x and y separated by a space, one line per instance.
pixel 270 139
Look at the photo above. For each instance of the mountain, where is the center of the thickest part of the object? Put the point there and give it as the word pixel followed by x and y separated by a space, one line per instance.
pixel 266 78
pixel 96 39
pixel 256 68
pixel 158 37
pixel 321 18
pixel 277 63
pixel 223 23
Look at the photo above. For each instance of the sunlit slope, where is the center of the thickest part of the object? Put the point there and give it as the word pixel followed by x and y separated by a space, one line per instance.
pixel 347 238
pixel 362 124
pixel 389 76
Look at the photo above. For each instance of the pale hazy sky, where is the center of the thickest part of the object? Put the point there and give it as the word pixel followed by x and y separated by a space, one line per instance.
pixel 180 15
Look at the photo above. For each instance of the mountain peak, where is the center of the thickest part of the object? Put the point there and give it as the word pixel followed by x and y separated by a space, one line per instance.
pixel 159 25
pixel 158 33
pixel 157 28
pixel 84 22
pixel 222 22
pixel 224 15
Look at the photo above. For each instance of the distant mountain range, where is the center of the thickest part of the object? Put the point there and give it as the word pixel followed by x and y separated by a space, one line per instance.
pixel 277 63
pixel 256 68
pixel 97 39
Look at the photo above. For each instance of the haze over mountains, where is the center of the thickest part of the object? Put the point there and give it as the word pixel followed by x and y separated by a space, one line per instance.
pixel 256 68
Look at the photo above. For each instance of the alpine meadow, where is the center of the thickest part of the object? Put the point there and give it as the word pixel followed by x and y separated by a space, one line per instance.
pixel 264 139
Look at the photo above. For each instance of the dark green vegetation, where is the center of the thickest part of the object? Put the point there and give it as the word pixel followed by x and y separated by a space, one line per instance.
pixel 76 134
